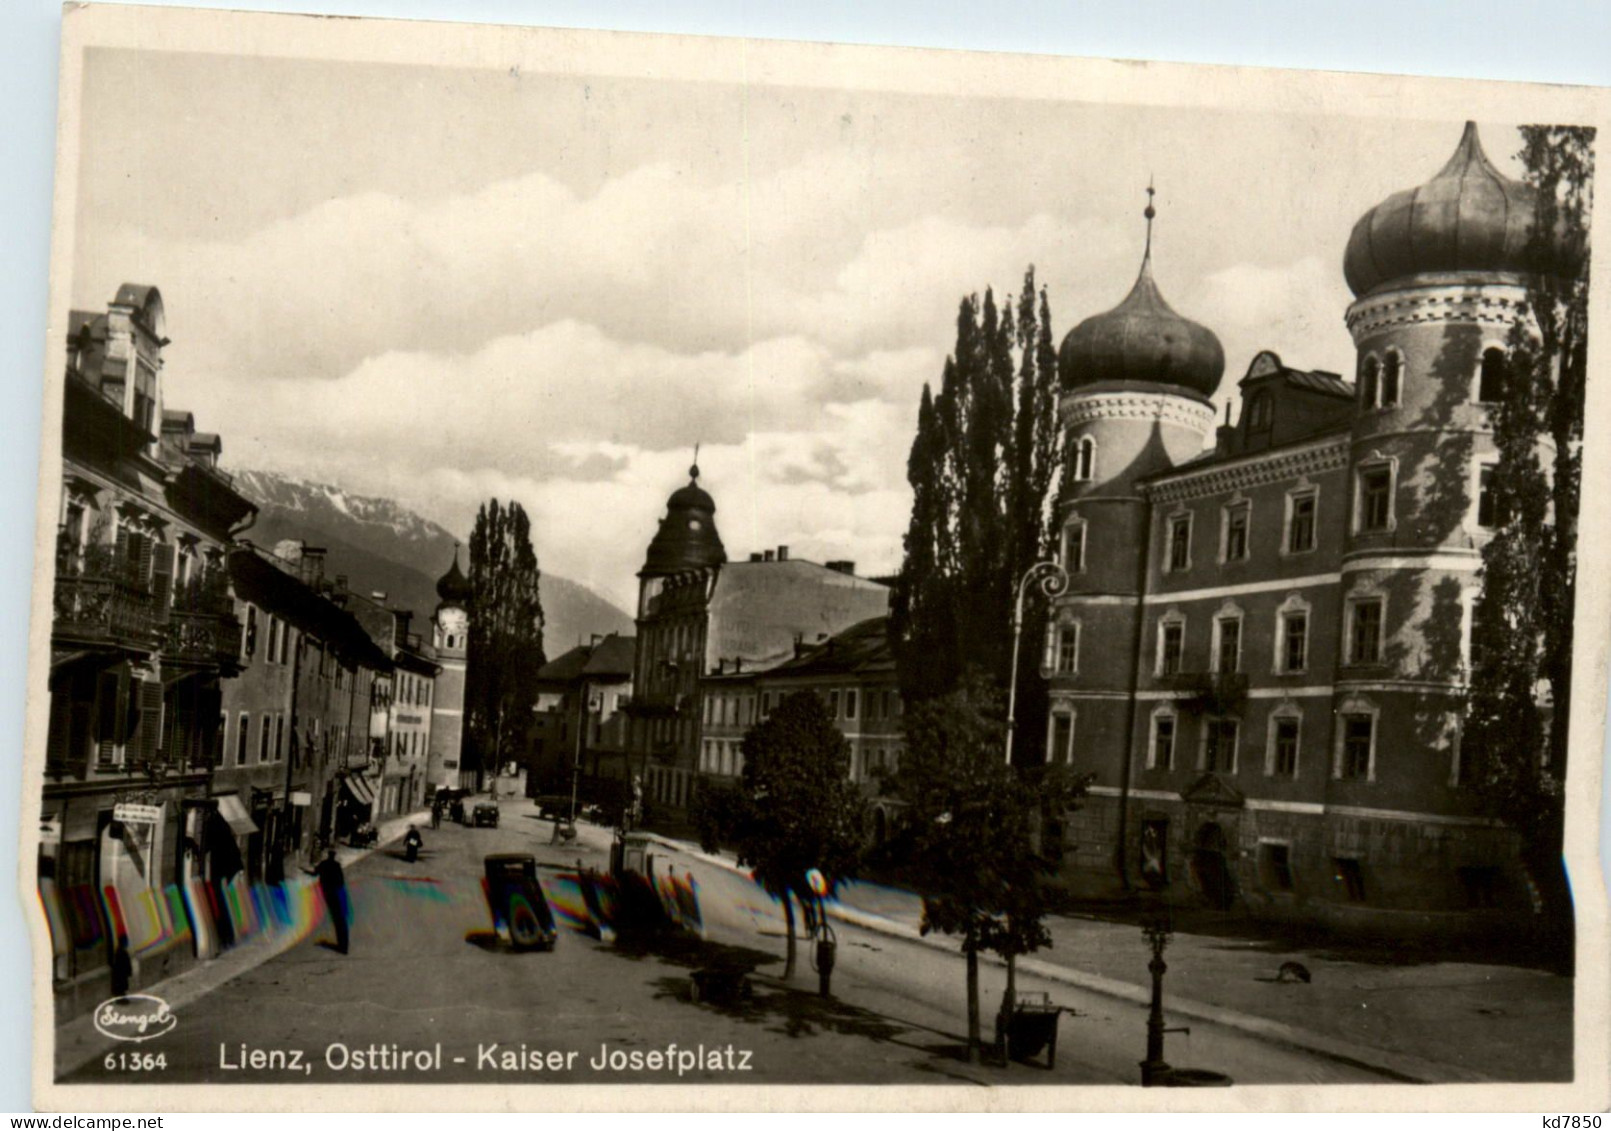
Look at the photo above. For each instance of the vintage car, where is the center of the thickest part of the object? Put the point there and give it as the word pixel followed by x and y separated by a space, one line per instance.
pixel 484 815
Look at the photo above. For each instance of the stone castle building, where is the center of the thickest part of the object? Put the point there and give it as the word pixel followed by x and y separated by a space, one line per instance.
pixel 1264 648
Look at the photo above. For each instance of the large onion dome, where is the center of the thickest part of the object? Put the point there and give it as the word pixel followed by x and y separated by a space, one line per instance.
pixel 1468 218
pixel 453 587
pixel 1142 340
pixel 687 537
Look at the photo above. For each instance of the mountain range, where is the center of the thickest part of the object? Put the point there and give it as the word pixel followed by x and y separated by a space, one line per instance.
pixel 382 547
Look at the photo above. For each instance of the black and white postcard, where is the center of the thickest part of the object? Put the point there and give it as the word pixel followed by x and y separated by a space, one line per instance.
pixel 591 570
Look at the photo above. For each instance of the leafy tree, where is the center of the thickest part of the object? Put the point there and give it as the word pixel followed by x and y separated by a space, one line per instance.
pixel 795 808
pixel 971 829
pixel 1521 645
pixel 506 634
pixel 984 468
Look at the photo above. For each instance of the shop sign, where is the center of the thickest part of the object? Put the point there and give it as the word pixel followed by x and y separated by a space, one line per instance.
pixel 137 814
pixel 301 797
pixel 50 830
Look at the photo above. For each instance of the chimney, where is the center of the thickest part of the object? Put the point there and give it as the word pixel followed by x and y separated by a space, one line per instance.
pixel 783 553
pixel 756 556
pixel 738 664
pixel 341 582
pixel 768 556
pixel 847 568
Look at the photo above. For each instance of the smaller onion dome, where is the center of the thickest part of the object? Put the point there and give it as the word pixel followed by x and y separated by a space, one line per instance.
pixel 1468 218
pixel 687 537
pixel 453 587
pixel 1142 340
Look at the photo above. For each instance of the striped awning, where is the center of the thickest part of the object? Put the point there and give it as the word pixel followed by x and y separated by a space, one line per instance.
pixel 360 788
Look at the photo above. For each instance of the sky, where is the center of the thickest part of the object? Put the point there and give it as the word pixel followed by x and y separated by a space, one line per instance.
pixel 443 285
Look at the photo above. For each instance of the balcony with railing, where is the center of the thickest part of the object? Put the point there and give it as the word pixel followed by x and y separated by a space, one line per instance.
pixel 201 628
pixel 1208 693
pixel 101 601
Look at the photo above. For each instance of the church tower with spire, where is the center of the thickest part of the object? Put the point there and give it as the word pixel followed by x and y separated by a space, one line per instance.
pixel 450 636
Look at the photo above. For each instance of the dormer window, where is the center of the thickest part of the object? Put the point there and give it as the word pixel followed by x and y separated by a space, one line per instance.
pixel 1259 410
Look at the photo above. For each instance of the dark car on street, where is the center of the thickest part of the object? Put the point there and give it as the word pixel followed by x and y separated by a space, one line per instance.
pixel 485 815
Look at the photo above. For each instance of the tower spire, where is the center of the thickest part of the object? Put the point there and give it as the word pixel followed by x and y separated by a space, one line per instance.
pixel 1149 212
pixel 693 471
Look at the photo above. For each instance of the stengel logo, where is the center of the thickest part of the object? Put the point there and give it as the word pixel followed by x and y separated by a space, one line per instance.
pixel 137 1017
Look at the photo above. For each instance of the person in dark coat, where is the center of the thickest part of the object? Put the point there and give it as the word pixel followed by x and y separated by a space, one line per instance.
pixel 333 883
pixel 122 967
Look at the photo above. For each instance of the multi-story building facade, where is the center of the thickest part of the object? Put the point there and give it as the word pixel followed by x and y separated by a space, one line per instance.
pixel 852 672
pixel 700 614
pixel 143 637
pixel 1264 647
pixel 400 717
pixel 579 734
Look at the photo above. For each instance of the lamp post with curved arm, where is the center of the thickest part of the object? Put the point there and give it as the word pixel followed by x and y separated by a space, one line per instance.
pixel 1052 580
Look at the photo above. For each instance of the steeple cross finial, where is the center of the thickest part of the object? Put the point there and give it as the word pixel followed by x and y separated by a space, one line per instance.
pixel 693 472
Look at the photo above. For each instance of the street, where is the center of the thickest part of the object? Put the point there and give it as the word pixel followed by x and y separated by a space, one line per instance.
pixel 429 994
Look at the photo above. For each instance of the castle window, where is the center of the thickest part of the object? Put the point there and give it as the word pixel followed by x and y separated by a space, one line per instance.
pixel 1061 747
pixel 1493 376
pixel 1356 757
pixel 1085 459
pixel 1171 646
pixel 1161 755
pixel 1219 746
pixel 1294 642
pixel 1369 382
pixel 1282 759
pixel 1301 507
pixel 1074 547
pixel 1491 511
pixel 1392 373
pixel 1275 866
pixel 1179 542
pixel 1068 649
pixel 1375 498
pixel 1234 541
pixel 1365 631
pixel 1228 644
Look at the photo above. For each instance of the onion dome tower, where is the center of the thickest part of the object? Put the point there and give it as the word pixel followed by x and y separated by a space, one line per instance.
pixel 1136 387
pixel 1439 273
pixel 453 588
pixel 450 637
pixel 687 538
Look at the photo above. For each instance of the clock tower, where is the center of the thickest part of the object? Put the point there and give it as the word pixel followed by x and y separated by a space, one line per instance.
pixel 450 626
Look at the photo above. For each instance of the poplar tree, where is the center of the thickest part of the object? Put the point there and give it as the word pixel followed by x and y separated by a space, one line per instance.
pixel 506 634
pixel 984 468
pixel 1519 696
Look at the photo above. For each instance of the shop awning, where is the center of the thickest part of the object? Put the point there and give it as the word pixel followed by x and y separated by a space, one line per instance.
pixel 232 810
pixel 361 790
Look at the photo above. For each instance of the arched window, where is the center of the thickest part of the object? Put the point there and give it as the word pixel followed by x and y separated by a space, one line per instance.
pixel 1369 378
pixel 1085 459
pixel 1391 374
pixel 1495 371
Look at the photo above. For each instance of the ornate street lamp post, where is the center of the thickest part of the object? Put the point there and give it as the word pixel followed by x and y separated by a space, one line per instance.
pixel 1052 580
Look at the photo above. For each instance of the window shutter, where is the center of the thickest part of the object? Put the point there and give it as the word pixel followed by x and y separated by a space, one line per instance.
pixel 162 579
pixel 149 733
pixel 110 697
pixel 59 740
pixel 142 565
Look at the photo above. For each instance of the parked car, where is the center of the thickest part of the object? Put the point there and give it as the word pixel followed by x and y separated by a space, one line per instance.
pixel 485 815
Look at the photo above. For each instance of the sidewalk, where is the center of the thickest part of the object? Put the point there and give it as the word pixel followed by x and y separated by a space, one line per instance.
pixel 79 1041
pixel 1420 1021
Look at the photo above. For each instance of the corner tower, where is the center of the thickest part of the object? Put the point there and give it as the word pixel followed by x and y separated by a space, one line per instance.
pixel 450 635
pixel 1440 275
pixel 1136 388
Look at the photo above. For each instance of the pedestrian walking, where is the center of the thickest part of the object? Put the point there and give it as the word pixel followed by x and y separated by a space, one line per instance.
pixel 333 884
pixel 436 815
